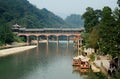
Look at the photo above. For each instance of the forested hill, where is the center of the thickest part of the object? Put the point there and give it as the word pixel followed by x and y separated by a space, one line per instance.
pixel 75 20
pixel 27 15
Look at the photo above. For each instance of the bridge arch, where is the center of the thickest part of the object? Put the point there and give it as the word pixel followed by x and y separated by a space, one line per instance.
pixel 48 32
pixel 23 38
pixel 53 37
pixel 42 37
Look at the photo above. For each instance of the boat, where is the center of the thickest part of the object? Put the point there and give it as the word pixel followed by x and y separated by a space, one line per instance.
pixel 81 61
pixel 84 65
pixel 77 60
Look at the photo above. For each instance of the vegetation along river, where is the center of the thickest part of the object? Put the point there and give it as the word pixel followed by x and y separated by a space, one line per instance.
pixel 47 61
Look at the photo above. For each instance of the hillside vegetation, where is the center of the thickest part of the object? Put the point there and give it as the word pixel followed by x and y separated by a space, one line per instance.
pixel 75 20
pixel 27 15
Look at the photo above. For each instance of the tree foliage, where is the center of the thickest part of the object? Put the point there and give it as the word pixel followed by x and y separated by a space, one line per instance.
pixel 93 38
pixel 91 18
pixel 6 35
pixel 107 31
pixel 103 28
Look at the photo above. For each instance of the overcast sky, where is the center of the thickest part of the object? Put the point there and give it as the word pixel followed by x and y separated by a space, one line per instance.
pixel 67 7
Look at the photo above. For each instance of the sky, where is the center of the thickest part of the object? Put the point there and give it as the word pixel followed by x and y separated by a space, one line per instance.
pixel 64 8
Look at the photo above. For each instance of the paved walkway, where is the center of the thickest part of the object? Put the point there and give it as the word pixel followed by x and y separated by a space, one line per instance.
pixel 105 63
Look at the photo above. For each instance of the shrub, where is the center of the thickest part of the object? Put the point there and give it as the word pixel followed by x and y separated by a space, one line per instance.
pixel 92 57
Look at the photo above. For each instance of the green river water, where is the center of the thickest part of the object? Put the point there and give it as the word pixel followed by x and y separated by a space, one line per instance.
pixel 47 61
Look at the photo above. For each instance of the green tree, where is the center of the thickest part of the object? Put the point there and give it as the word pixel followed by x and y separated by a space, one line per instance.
pixel 91 18
pixel 94 38
pixel 117 30
pixel 107 32
pixel 6 35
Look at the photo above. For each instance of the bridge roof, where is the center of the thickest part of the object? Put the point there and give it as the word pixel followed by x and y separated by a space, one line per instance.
pixel 53 29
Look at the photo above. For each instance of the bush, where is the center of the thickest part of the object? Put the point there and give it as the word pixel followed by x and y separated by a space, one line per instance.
pixel 92 57
pixel 98 75
pixel 1 43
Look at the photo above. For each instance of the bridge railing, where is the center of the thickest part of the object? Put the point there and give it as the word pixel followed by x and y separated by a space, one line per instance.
pixel 48 34
pixel 49 31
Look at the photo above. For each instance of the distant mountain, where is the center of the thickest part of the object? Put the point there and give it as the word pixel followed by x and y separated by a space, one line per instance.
pixel 75 20
pixel 27 15
pixel 62 15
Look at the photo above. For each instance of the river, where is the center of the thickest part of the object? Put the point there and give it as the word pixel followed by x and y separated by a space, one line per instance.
pixel 47 61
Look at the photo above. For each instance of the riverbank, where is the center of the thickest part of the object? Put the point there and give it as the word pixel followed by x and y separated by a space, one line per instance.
pixel 14 44
pixel 10 51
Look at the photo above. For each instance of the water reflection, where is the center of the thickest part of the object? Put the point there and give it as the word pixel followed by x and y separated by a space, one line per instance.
pixel 77 69
pixel 48 61
pixel 37 50
pixel 47 45
pixel 82 72
pixel 57 50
